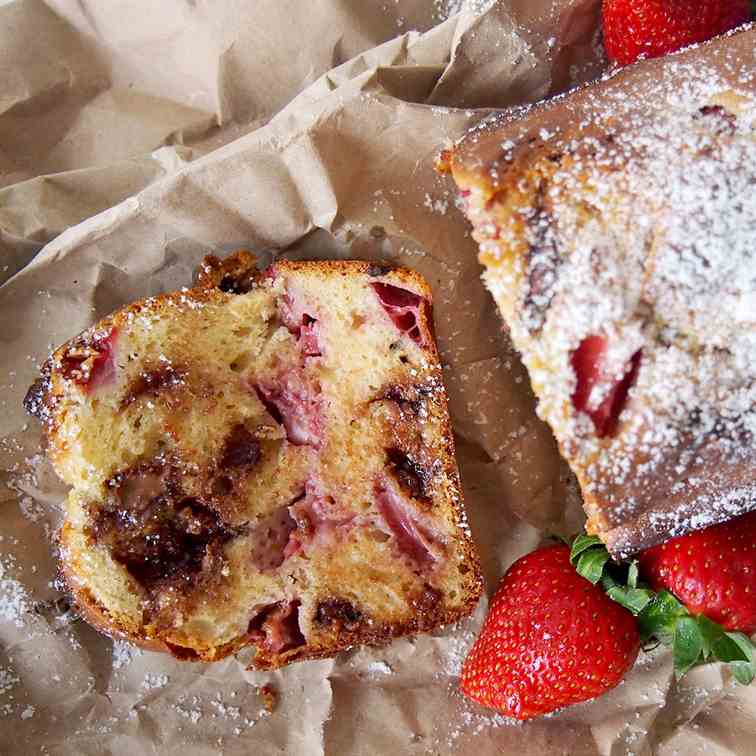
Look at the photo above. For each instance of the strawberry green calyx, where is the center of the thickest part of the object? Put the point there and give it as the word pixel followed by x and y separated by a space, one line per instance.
pixel 662 618
pixel 620 581
pixel 695 639
pixel 589 557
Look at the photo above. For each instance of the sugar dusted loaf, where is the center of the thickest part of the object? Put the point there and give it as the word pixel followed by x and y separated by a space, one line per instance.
pixel 618 230
pixel 266 460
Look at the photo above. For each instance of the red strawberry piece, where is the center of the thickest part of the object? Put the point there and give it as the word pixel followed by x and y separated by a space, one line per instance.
pixel 413 538
pixel 650 28
pixel 300 323
pixel 551 639
pixel 296 402
pixel 92 363
pixel 320 520
pixel 712 571
pixel 276 627
pixel 588 362
pixel 403 307
pixel 308 337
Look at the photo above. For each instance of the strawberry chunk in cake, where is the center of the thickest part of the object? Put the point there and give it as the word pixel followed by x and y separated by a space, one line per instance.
pixel 619 238
pixel 264 460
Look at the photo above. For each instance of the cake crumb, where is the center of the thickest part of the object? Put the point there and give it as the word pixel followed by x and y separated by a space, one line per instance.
pixel 223 710
pixel 269 697
pixel 15 602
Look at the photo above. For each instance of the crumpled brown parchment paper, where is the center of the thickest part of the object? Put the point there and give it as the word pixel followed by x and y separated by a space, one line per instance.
pixel 135 137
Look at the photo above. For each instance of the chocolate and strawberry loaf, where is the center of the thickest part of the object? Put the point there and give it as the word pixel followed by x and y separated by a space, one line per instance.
pixel 264 459
pixel 617 226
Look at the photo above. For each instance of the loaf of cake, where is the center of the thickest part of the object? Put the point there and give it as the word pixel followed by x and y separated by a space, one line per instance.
pixel 264 459
pixel 617 227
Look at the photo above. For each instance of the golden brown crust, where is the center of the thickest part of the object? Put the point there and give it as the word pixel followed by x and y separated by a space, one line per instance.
pixel 177 387
pixel 574 193
pixel 430 615
pixel 239 273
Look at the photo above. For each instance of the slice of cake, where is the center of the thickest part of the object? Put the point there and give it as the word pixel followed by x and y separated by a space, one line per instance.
pixel 266 460
pixel 618 230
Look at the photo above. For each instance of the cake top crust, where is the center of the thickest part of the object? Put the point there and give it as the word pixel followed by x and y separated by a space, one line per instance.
pixel 626 211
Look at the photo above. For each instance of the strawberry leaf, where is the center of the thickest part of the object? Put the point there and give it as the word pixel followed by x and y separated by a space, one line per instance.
pixel 659 617
pixel 635 600
pixel 745 643
pixel 711 632
pixel 743 672
pixel 583 543
pixel 733 647
pixel 589 556
pixel 591 564
pixel 687 645
pixel 737 649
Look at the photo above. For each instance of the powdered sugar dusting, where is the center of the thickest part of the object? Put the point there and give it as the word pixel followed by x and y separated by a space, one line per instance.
pixel 194 710
pixel 456 647
pixel 636 220
pixel 124 653
pixel 15 601
pixel 8 681
pixel 444 9
pixel 154 681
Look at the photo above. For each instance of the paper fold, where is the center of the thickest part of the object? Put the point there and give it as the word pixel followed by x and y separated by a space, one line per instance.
pixel 147 184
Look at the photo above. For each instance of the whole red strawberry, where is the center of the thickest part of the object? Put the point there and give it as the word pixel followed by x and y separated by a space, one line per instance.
pixel 656 27
pixel 551 639
pixel 712 571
